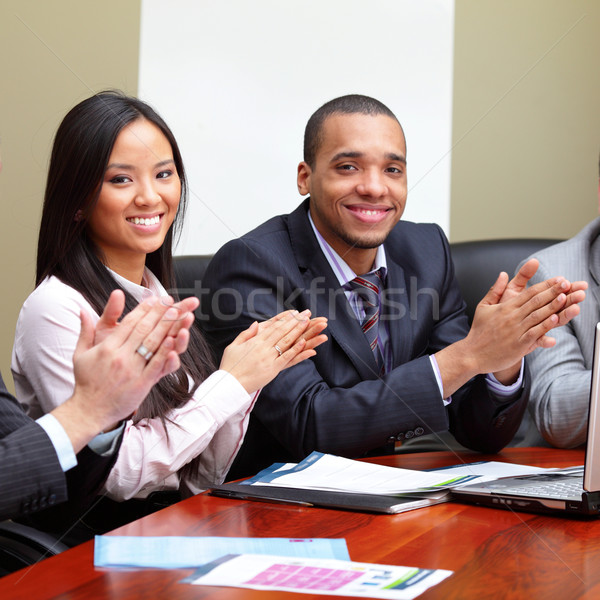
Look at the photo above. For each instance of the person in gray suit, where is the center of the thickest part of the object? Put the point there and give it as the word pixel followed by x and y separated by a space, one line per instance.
pixel 561 376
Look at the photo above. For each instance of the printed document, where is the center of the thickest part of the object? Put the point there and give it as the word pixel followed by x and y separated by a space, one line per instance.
pixel 314 576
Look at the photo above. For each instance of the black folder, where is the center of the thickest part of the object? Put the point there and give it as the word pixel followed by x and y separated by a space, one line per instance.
pixel 372 503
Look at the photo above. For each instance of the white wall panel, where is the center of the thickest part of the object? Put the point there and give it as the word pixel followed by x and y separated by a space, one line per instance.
pixel 237 80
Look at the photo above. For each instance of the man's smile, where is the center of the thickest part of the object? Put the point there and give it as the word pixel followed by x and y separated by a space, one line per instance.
pixel 369 214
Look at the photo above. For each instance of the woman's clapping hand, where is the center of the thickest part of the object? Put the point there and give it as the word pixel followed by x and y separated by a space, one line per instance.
pixel 260 353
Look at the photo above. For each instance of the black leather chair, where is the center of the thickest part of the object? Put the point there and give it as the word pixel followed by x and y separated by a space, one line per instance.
pixel 478 263
pixel 189 271
pixel 22 546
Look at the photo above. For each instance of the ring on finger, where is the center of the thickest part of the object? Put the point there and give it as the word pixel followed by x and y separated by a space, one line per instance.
pixel 144 352
pixel 278 349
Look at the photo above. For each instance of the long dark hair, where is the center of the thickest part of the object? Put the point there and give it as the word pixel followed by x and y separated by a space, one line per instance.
pixel 82 147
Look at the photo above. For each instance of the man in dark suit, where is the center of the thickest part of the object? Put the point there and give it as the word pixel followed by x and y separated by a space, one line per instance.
pixel 401 361
pixel 115 367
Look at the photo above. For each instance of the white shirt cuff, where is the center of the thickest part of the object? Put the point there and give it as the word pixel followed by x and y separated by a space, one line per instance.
pixel 60 440
pixel 505 391
pixel 104 444
pixel 499 389
pixel 438 378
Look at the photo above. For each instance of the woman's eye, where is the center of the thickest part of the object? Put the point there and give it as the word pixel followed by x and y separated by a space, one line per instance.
pixel 120 179
pixel 164 174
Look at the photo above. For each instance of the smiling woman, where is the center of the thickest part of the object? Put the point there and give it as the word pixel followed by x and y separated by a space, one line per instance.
pixel 138 200
pixel 115 196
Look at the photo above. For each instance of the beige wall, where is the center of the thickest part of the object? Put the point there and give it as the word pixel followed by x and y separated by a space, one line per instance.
pixel 52 55
pixel 526 122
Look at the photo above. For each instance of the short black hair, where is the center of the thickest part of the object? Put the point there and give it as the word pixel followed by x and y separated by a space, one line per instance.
pixel 348 105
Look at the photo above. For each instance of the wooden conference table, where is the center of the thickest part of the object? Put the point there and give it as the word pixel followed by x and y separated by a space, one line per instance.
pixel 494 553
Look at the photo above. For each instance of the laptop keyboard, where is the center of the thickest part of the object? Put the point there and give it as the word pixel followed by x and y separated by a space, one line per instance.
pixel 551 489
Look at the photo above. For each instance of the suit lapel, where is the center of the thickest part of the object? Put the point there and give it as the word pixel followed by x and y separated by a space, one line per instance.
pixel 326 298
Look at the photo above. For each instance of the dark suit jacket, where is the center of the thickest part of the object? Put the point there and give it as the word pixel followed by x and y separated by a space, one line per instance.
pixel 32 480
pixel 335 402
pixel 30 475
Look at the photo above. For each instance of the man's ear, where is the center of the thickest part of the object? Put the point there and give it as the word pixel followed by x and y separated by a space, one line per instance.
pixel 303 181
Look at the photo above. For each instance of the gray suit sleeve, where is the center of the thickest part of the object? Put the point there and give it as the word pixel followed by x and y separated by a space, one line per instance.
pixel 560 384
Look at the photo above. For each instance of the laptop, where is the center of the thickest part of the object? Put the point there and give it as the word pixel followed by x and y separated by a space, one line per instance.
pixel 566 491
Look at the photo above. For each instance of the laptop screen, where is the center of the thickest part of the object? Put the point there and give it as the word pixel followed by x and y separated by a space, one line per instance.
pixel 591 477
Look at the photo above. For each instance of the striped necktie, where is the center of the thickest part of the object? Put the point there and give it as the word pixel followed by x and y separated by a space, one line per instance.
pixel 367 288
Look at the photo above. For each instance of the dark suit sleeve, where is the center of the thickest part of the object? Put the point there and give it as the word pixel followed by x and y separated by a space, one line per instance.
pixel 33 486
pixel 31 477
pixel 327 403
pixel 84 483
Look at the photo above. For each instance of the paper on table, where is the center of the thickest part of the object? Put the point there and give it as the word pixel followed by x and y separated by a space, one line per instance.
pixel 314 576
pixel 184 552
pixel 327 472
pixel 487 471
